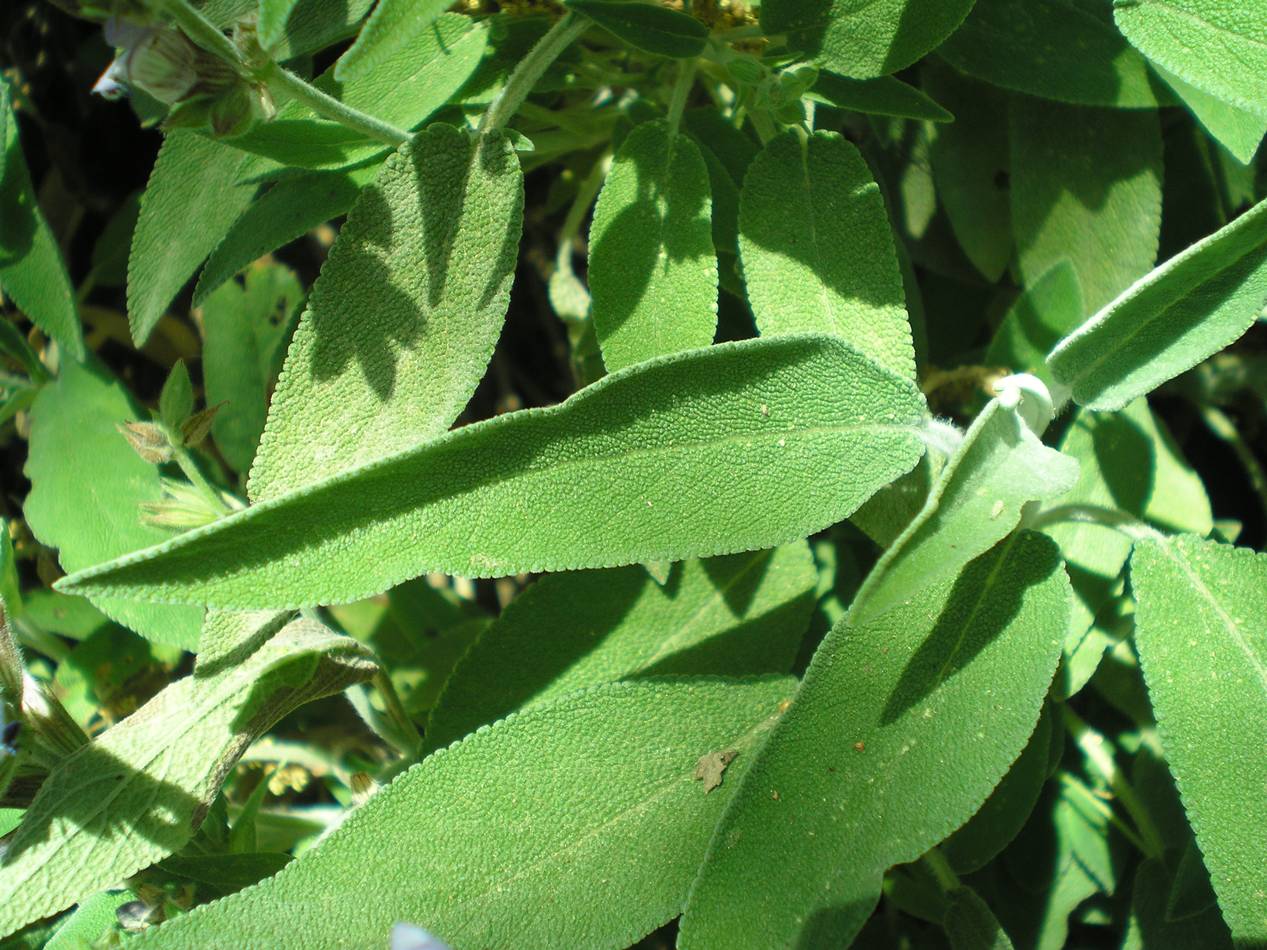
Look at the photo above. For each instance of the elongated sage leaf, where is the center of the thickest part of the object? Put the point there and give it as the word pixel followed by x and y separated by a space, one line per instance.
pixel 735 447
pixel 1238 130
pixel 612 829
pixel 864 38
pixel 883 95
pixel 818 251
pixel 971 925
pixel 1057 49
pixel 940 694
pixel 32 272
pixel 178 226
pixel 394 25
pixel 652 266
pixel 734 615
pixel 403 319
pixel 87 485
pixel 140 790
pixel 1086 187
pixel 1218 47
pixel 1184 311
pixel 1201 632
pixel 650 28
pixel 976 501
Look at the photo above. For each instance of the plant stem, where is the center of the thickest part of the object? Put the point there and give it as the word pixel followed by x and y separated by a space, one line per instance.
pixel 181 456
pixel 681 92
pixel 1224 428
pixel 946 877
pixel 1128 525
pixel 281 80
pixel 530 69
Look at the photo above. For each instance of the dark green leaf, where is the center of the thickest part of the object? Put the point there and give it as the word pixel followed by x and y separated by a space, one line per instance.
pixel 648 27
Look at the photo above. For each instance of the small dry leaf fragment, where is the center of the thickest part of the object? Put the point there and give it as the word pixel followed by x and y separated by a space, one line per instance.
pixel 710 767
pixel 195 428
pixel 147 440
pixel 859 746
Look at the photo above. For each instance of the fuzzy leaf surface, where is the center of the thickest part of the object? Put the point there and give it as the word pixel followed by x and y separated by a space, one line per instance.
pixel 403 319
pixel 536 810
pixel 393 26
pixel 1201 632
pixel 1189 308
pixel 939 694
pixel 652 266
pixel 884 95
pixel 736 615
pixel 818 251
pixel 736 447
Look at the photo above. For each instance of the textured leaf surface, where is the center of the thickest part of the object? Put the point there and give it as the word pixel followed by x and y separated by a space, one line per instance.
pixel 1086 187
pixel 736 447
pixel 1217 46
pixel 976 501
pixel 970 924
pixel 939 694
pixel 178 227
pixel 589 804
pixel 1184 311
pixel 649 28
pixel 652 266
pixel 1044 313
pixel 817 249
pixel 139 791
pixel 1057 49
pixel 32 273
pixel 883 95
pixel 1238 130
pixel 1201 632
pixel 864 38
pixel 403 319
pixel 394 25
pixel 733 615
pixel 86 486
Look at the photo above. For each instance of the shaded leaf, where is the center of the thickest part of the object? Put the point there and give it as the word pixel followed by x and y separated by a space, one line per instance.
pixel 394 25
pixel 1044 313
pixel 1238 130
pixel 970 925
pixel 652 29
pixel 883 95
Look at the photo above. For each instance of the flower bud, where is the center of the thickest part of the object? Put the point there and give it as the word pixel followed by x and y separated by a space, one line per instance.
pixel 148 441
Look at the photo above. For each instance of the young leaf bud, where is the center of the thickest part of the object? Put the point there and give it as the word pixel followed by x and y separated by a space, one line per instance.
pixel 148 441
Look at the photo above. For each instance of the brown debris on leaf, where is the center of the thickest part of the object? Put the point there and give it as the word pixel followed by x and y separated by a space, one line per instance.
pixel 710 767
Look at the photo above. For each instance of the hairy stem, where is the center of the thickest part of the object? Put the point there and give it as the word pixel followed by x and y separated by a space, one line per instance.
pixel 281 80
pixel 530 69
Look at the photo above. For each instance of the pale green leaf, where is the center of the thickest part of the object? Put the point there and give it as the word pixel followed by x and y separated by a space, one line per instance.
pixel 970 924
pixel 87 484
pixel 818 251
pixel 90 922
pixel 311 25
pixel 939 695
pixel 728 616
pixel 193 197
pixel 393 26
pixel 735 447
pixel 1037 320
pixel 650 28
pixel 1217 46
pixel 403 319
pixel 1187 309
pixel 864 38
pixel 1238 130
pixel 652 265
pixel 976 501
pixel 244 329
pixel 1057 49
pixel 176 401
pixel 138 792
pixel 883 95
pixel 1086 187
pixel 271 22
pixel 32 272
pixel 1201 632
pixel 288 210
pixel 971 162
pixel 588 804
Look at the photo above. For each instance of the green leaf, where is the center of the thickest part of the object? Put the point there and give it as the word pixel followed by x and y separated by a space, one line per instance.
pixel 1086 187
pixel 402 322
pixel 818 251
pixel 192 199
pixel 1187 309
pixel 883 95
pixel 176 401
pixel 86 486
pixel 864 39
pixel 736 447
pixel 1239 131
pixel 271 23
pixel 288 210
pixel 245 328
pixel 734 615
pixel 650 28
pixel 312 24
pixel 91 921
pixel 32 272
pixel 885 708
pixel 1067 50
pixel 976 501
pixel 393 26
pixel 1037 320
pixel 652 265
pixel 139 791
pixel 970 924
pixel 1201 632
pixel 727 152
pixel 1152 926
pixel 529 813
pixel 1221 48
pixel 971 163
